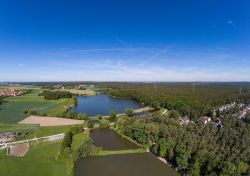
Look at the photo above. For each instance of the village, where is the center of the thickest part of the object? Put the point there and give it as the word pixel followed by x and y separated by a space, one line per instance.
pixel 217 122
pixel 11 92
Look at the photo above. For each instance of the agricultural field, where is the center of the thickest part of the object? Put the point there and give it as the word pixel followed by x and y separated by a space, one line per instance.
pixel 40 160
pixel 51 130
pixel 50 121
pixel 12 111
pixel 21 87
pixel 79 92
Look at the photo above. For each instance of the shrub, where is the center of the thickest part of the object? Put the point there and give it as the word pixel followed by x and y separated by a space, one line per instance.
pixel 76 129
pixel 86 148
pixel 99 117
pixel 104 124
pixel 129 112
pixel 90 125
pixel 112 115
pixel 67 140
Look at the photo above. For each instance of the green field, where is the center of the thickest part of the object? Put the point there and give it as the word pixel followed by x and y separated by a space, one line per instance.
pixel 36 131
pixel 12 111
pixel 17 127
pixel 42 159
pixel 46 131
pixel 21 87
pixel 39 161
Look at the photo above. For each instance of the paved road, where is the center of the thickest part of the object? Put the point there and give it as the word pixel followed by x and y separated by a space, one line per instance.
pixel 136 111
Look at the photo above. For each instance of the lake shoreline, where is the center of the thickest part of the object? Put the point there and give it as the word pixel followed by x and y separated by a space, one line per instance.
pixel 103 104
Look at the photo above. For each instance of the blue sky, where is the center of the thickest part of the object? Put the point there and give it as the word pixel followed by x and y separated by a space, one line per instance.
pixel 177 40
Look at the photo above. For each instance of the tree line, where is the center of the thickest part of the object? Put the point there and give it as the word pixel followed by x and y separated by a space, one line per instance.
pixel 1 100
pixel 84 148
pixel 55 95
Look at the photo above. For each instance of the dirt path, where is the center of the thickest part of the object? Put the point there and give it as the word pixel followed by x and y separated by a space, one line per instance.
pixel 46 138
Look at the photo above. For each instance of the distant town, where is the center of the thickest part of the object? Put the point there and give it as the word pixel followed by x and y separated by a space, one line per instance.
pixel 11 92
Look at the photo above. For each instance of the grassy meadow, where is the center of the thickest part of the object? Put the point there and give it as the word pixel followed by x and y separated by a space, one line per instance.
pixel 51 130
pixel 20 87
pixel 12 111
pixel 40 160
pixel 17 127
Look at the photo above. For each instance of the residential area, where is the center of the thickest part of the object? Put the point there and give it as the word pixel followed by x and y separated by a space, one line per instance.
pixel 11 92
pixel 217 122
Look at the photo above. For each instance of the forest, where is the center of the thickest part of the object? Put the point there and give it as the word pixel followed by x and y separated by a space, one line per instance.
pixel 194 149
pixel 193 100
pixel 55 95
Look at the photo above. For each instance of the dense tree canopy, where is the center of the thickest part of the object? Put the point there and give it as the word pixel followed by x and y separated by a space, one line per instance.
pixel 112 115
pixel 194 102
pixel 55 95
pixel 195 149
pixel 1 100
pixel 129 112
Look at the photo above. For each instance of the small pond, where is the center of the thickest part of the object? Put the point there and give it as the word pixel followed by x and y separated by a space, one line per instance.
pixel 102 104
pixel 110 140
pixel 93 88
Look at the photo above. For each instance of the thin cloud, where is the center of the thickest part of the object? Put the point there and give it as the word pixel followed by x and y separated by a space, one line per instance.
pixel 154 57
pixel 71 53
pixel 121 41
pixel 116 73
pixel 231 23
pixel 157 55
pixel 103 49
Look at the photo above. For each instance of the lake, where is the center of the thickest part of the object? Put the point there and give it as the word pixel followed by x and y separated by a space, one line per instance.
pixel 102 104
pixel 143 164
pixel 93 88
pixel 109 140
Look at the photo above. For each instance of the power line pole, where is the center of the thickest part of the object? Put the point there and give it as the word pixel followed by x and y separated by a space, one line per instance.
pixel 155 87
pixel 193 86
